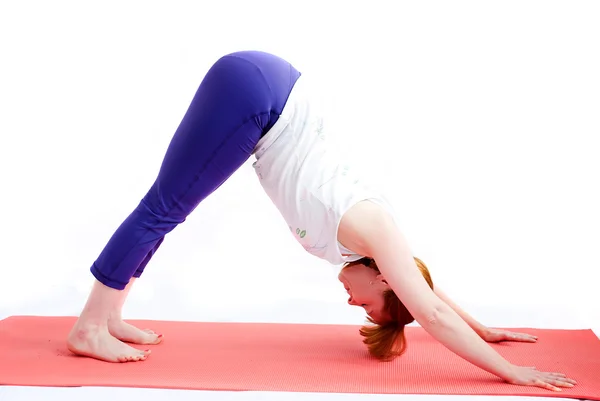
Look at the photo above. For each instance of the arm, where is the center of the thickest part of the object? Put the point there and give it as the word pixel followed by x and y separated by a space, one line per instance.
pixel 486 333
pixel 479 328
pixel 367 231
pixel 432 313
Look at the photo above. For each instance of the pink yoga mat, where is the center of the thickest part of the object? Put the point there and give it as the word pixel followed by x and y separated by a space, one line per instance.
pixel 288 357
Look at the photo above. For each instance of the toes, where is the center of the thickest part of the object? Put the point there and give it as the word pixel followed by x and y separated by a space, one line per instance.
pixel 159 338
pixel 147 338
pixel 149 331
pixel 151 339
pixel 138 356
pixel 143 355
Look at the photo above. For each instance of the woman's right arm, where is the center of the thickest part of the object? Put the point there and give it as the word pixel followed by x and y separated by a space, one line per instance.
pixel 397 265
pixel 367 230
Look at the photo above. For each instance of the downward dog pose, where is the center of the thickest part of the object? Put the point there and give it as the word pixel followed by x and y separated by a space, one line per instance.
pixel 257 103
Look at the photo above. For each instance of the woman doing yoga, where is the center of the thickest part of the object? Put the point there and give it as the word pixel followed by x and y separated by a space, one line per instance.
pixel 254 103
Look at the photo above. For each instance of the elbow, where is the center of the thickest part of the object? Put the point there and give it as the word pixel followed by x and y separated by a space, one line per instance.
pixel 435 317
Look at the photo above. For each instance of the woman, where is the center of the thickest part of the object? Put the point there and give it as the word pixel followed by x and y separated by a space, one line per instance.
pixel 257 103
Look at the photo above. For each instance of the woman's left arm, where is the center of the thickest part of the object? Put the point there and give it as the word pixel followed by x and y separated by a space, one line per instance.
pixel 488 334
pixel 470 320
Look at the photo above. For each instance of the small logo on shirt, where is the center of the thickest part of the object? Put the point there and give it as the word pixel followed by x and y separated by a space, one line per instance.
pixel 319 129
pixel 299 232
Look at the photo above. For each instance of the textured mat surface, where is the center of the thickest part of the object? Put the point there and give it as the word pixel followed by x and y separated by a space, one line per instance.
pixel 288 357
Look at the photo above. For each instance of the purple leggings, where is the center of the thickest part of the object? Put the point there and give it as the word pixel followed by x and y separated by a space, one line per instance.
pixel 237 102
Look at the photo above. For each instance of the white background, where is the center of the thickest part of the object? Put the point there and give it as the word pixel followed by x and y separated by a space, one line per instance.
pixel 481 119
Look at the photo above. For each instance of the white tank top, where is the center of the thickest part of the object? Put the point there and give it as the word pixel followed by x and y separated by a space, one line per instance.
pixel 309 183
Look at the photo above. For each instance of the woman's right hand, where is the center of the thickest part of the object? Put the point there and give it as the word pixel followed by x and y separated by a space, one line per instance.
pixel 529 376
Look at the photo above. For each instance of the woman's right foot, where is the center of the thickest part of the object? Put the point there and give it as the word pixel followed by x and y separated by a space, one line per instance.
pixel 95 341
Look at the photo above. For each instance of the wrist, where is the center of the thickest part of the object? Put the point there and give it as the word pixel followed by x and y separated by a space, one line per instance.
pixel 482 331
pixel 508 373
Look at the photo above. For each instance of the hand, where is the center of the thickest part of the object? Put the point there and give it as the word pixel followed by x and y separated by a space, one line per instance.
pixel 525 376
pixel 495 335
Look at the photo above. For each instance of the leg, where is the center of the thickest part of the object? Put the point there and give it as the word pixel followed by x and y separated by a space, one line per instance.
pixel 228 115
pixel 91 336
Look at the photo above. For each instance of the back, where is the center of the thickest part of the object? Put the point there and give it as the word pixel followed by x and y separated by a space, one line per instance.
pixel 308 181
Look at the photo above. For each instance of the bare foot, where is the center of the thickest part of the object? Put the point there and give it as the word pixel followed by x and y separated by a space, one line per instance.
pixel 96 342
pixel 131 334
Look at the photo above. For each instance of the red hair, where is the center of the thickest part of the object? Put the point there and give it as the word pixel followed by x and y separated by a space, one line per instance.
pixel 386 341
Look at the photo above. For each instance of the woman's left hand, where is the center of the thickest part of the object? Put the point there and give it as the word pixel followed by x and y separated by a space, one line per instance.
pixel 497 335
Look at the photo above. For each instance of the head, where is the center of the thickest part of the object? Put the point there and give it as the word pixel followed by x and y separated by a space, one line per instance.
pixel 368 289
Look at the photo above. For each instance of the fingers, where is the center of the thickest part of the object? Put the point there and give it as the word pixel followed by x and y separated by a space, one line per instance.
pixel 560 383
pixel 553 385
pixel 546 385
pixel 505 335
pixel 554 381
pixel 523 337
pixel 561 379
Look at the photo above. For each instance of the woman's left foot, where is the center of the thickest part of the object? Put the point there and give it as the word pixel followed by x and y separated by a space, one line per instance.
pixel 131 334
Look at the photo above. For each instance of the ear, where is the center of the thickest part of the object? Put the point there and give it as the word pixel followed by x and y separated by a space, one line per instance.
pixel 382 279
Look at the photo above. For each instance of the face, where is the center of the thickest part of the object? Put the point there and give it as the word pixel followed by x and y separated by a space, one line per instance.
pixel 365 286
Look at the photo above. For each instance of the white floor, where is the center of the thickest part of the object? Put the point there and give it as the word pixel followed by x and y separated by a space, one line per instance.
pixel 291 311
pixel 104 393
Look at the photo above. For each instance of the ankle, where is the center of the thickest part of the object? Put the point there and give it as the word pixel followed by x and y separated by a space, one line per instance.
pixel 115 317
pixel 90 320
pixel 86 329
